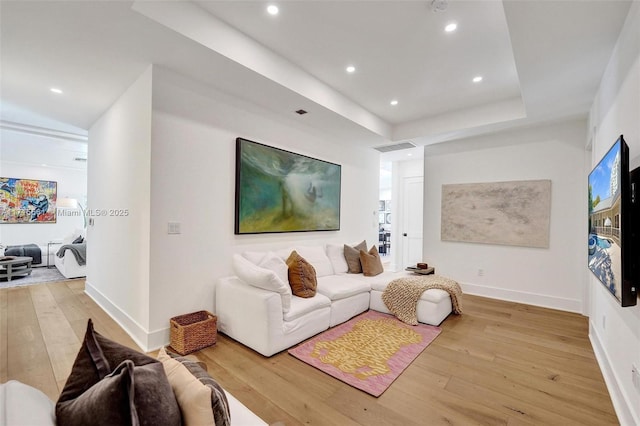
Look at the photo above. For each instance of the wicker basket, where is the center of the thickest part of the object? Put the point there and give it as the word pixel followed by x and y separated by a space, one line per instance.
pixel 192 332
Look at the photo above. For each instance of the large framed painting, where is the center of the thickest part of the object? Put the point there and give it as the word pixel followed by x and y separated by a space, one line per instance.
pixel 515 213
pixel 27 200
pixel 281 191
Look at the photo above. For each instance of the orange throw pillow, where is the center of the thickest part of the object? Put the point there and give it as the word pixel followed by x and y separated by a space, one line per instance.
pixel 302 276
pixel 371 263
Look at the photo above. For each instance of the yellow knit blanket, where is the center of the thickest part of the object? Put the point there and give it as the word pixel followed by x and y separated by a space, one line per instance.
pixel 401 295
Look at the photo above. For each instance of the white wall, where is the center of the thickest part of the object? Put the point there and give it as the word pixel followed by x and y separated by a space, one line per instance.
pixel 550 277
pixel 615 331
pixel 119 178
pixel 192 182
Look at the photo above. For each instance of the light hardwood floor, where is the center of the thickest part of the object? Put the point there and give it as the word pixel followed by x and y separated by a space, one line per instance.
pixel 501 363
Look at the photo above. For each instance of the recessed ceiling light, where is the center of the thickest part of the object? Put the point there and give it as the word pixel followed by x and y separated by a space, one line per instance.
pixel 43 165
pixel 351 69
pixel 272 9
pixel 394 102
pixel 451 27
pixel 409 155
pixel 477 79
pixel 56 90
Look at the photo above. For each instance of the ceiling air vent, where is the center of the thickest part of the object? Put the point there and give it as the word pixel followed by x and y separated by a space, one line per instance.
pixel 396 147
pixel 82 160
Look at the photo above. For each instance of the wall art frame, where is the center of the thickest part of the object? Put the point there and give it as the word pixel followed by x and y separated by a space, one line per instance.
pixel 280 191
pixel 515 213
pixel 27 201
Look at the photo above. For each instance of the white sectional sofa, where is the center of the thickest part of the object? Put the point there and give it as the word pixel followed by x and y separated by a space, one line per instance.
pixel 68 264
pixel 258 318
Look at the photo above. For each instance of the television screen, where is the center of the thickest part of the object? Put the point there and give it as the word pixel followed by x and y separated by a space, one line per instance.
pixel 609 210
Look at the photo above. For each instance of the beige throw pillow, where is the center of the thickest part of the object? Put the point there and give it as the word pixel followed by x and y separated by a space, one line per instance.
pixel 352 256
pixel 371 263
pixel 302 276
pixel 197 400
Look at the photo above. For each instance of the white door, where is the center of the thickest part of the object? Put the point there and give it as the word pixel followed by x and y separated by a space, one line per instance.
pixel 411 233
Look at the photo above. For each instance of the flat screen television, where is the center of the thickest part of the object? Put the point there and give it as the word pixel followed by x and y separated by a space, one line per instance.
pixel 613 254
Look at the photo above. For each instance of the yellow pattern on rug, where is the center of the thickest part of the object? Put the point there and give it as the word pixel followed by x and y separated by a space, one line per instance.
pixel 365 350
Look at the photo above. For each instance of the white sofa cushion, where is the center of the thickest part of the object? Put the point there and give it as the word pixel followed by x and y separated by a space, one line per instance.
pixel 379 281
pixel 262 278
pixel 254 256
pixel 269 260
pixel 22 404
pixel 241 415
pixel 303 305
pixel 317 257
pixel 72 236
pixel 337 287
pixel 335 253
pixel 274 263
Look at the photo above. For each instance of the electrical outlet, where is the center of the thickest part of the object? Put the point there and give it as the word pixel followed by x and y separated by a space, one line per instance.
pixel 604 322
pixel 481 272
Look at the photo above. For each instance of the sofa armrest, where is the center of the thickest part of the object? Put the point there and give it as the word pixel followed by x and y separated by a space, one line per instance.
pixel 68 265
pixel 241 415
pixel 21 404
pixel 250 315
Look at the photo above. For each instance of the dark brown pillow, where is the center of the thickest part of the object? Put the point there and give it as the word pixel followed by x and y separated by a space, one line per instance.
pixel 352 256
pixel 302 276
pixel 371 263
pixel 136 392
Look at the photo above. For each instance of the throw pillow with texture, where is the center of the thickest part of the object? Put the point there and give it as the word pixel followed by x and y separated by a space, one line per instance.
pixel 202 401
pixel 134 391
pixel 302 276
pixel 371 263
pixel 262 278
pixel 352 256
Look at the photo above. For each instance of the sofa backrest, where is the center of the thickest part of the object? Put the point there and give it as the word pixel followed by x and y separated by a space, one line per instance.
pixel 315 255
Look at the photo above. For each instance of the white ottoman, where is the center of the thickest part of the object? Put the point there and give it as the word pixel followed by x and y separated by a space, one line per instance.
pixel 433 307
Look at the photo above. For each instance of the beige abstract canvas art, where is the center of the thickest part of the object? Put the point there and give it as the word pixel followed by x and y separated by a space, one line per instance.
pixel 513 213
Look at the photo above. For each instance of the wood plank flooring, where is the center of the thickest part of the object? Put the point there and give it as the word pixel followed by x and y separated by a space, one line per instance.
pixel 501 363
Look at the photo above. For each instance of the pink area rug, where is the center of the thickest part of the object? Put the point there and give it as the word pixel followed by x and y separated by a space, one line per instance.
pixel 367 352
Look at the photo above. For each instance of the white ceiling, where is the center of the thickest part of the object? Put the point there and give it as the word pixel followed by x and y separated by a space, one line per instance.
pixel 540 60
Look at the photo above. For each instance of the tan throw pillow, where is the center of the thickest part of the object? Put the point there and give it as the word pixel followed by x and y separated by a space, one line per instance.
pixel 302 276
pixel 352 255
pixel 371 263
pixel 201 403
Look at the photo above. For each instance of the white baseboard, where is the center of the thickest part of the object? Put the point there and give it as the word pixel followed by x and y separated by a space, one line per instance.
pixel 626 417
pixel 570 305
pixel 159 338
pixel 148 341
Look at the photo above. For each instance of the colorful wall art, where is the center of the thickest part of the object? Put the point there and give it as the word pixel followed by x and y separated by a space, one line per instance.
pixel 280 191
pixel 27 200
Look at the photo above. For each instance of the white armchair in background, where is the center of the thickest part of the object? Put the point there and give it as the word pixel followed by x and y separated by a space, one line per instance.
pixel 67 264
